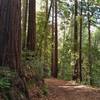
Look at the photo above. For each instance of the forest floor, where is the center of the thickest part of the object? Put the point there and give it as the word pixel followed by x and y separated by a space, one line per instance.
pixel 69 90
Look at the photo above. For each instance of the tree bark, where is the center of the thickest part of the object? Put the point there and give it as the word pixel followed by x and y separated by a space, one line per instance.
pixel 89 44
pixel 80 44
pixel 31 38
pixel 52 48
pixel 76 69
pixel 10 33
pixel 56 42
pixel 24 24
pixel 54 67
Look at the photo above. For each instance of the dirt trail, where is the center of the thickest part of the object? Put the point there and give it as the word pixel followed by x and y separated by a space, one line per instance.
pixel 63 90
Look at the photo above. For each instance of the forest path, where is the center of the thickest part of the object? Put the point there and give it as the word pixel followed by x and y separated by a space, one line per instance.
pixel 68 90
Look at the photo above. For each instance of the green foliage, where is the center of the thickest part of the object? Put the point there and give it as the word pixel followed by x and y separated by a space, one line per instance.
pixel 98 1
pixel 32 66
pixel 6 77
pixel 5 83
pixel 66 55
pixel 65 68
pixel 95 58
pixel 44 90
pixel 34 71
pixel 85 71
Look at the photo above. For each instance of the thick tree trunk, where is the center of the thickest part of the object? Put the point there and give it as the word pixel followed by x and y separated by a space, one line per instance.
pixel 10 33
pixel 31 38
pixel 10 42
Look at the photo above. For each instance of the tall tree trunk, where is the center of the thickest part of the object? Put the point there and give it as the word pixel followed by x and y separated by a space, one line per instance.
pixel 54 60
pixel 10 33
pixel 24 24
pixel 31 38
pixel 89 41
pixel 80 44
pixel 52 48
pixel 56 42
pixel 76 69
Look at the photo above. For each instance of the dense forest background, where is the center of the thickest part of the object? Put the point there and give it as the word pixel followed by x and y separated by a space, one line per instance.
pixel 78 25
pixel 48 38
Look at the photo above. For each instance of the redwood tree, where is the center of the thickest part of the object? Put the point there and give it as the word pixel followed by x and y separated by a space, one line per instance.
pixel 80 44
pixel 10 33
pixel 56 42
pixel 76 69
pixel 10 42
pixel 52 48
pixel 31 38
pixel 54 70
pixel 89 44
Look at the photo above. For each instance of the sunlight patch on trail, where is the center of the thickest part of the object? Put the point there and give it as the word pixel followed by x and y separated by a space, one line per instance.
pixel 68 86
